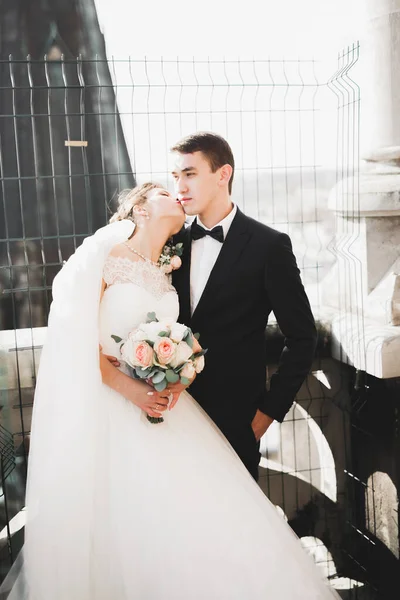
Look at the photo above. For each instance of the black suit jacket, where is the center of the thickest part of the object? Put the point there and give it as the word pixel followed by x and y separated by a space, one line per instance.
pixel 255 273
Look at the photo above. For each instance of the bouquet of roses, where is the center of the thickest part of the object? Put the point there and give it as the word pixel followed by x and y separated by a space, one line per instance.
pixel 162 352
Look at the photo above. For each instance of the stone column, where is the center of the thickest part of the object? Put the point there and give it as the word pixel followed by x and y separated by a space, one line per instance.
pixel 363 288
pixel 379 75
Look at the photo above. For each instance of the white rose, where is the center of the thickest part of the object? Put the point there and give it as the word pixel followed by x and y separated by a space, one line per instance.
pixel 166 324
pixel 177 332
pixel 137 335
pixel 188 371
pixel 199 364
pixel 182 353
pixel 152 330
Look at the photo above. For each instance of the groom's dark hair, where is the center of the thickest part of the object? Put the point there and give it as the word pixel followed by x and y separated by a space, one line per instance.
pixel 215 149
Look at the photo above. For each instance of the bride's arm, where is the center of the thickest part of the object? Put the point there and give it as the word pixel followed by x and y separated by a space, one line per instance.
pixel 137 392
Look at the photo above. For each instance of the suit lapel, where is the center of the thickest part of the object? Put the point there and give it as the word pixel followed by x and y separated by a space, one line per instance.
pixel 232 248
pixel 181 277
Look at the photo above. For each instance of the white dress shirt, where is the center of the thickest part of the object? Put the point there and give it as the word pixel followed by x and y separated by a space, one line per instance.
pixel 205 252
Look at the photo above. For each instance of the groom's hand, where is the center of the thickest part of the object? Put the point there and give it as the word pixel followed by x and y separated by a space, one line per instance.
pixel 260 424
pixel 112 359
pixel 171 394
pixel 176 390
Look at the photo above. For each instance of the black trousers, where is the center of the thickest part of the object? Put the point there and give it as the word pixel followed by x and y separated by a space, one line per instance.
pixel 247 448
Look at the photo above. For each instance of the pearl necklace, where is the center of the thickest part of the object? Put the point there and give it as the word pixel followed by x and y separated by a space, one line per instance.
pixel 141 255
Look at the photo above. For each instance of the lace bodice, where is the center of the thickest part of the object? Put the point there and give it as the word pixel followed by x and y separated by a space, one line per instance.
pixel 119 269
pixel 133 290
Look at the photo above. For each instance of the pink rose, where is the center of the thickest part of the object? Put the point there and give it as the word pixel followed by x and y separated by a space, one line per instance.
pixel 164 348
pixel 137 353
pixel 188 371
pixel 175 262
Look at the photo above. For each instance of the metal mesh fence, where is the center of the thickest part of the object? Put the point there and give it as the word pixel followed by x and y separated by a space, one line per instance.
pixel 274 113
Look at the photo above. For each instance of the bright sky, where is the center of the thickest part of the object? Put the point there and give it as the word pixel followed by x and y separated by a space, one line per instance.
pixel 216 28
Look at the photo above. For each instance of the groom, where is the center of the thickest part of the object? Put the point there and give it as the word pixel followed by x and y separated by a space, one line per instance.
pixel 234 272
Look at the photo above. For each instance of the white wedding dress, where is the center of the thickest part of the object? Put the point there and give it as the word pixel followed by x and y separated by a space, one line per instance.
pixel 122 509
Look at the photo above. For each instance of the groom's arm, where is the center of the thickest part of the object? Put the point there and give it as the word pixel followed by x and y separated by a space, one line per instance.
pixel 293 313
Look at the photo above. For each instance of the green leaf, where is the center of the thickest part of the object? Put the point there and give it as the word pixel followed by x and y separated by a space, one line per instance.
pixel 197 336
pixel 116 338
pixel 171 376
pixel 189 340
pixel 161 385
pixel 145 370
pixel 158 377
pixel 150 343
pixel 179 246
pixel 185 380
pixel 151 317
pixel 143 373
pixel 140 375
pixel 163 334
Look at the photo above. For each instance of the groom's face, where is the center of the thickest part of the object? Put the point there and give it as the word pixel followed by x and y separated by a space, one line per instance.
pixel 196 186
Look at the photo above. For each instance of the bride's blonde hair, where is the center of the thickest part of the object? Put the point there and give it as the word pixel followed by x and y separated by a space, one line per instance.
pixel 129 198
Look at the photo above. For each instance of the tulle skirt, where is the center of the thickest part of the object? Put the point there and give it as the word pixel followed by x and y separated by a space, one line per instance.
pixel 160 512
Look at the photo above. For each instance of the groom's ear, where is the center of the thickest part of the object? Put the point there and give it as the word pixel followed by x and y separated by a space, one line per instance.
pixel 225 174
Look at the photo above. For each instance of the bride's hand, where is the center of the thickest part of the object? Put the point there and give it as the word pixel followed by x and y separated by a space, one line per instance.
pixel 148 399
pixel 137 392
pixel 176 390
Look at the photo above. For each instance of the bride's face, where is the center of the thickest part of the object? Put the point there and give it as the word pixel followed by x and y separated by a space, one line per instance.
pixel 162 206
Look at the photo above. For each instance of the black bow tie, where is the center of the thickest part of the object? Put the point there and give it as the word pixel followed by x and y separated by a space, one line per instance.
pixel 197 232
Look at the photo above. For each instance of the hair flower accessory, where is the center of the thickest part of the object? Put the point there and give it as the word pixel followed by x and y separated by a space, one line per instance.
pixel 170 258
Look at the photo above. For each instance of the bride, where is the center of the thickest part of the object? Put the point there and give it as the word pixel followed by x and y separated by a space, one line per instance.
pixel 120 508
